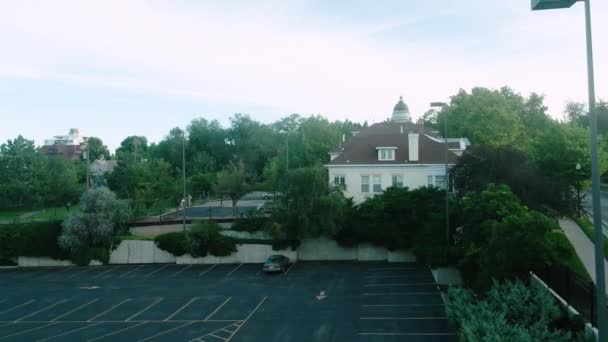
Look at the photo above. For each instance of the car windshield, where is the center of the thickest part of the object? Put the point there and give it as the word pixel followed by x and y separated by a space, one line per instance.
pixel 275 258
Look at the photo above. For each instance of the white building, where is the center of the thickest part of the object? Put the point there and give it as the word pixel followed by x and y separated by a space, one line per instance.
pixel 72 139
pixel 392 153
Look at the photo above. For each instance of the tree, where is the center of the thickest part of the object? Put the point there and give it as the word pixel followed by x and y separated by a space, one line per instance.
pixel 232 181
pixel 20 168
pixel 101 216
pixel 201 183
pixel 133 147
pixel 209 137
pixel 97 149
pixel 59 182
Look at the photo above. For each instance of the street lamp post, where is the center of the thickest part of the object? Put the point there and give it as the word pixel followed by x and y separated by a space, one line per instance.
pixel 595 171
pixel 447 178
pixel 184 179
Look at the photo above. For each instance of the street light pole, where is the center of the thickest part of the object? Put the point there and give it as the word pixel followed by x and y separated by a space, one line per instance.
pixel 595 181
pixel 447 178
pixel 602 325
pixel 184 179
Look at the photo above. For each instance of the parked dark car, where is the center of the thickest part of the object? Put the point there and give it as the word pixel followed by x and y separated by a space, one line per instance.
pixel 276 263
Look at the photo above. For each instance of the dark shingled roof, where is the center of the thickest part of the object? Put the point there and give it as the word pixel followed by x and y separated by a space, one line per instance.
pixel 361 149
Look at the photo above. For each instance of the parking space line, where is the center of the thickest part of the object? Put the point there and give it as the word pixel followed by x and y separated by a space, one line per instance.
pixel 401 318
pixel 207 270
pixel 131 271
pixel 166 331
pixel 110 309
pixel 144 309
pixel 28 330
pixel 43 309
pixel 180 271
pixel 180 309
pixel 78 308
pixel 151 273
pixel 408 334
pixel 116 332
pixel 18 306
pixel 289 268
pixel 86 269
pixel 392 269
pixel 217 309
pixel 399 284
pixel 236 268
pixel 398 305
pixel 106 271
pixel 400 293
pixel 69 332
pixel 247 318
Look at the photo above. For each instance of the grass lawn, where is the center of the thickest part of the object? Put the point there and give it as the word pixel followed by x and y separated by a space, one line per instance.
pixel 587 228
pixel 56 213
pixel 10 214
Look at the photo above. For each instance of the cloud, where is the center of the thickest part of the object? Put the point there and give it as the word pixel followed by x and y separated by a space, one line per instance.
pixel 297 57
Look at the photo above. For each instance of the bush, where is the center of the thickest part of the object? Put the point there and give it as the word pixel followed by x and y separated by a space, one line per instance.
pixel 83 231
pixel 510 311
pixel 205 237
pixel 250 223
pixel 174 243
pixel 95 253
pixel 38 239
pixel 278 244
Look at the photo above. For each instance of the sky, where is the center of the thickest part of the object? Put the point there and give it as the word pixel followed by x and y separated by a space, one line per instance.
pixel 128 67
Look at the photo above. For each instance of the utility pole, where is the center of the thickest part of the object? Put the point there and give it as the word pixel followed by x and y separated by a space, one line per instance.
pixel 184 178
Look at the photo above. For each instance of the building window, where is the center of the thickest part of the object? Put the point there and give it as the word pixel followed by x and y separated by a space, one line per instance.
pixel 437 181
pixel 364 183
pixel 386 154
pixel 377 184
pixel 398 181
pixel 339 181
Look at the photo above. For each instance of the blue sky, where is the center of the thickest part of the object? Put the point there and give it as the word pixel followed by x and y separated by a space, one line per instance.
pixel 116 68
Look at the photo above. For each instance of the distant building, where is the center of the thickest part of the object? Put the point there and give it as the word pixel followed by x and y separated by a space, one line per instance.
pixel 392 153
pixel 102 166
pixel 69 146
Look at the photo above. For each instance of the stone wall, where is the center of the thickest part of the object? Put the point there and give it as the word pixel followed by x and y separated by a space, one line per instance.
pixel 140 252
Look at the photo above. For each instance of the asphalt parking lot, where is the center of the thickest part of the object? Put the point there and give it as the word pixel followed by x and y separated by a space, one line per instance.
pixel 312 301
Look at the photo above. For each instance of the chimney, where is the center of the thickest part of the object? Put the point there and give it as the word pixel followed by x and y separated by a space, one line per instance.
pixel 420 126
pixel 412 143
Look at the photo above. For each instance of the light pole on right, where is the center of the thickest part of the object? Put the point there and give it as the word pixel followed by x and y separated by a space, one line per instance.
pixel 442 105
pixel 595 169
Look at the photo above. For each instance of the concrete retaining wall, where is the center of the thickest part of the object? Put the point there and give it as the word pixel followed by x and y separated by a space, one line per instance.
pixel 401 256
pixel 140 252
pixel 246 254
pixel 261 235
pixel 368 252
pixel 325 249
pixel 447 276
pixel 41 261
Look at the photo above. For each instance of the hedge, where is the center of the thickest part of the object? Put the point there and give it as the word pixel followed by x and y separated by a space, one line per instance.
pixel 174 243
pixel 36 239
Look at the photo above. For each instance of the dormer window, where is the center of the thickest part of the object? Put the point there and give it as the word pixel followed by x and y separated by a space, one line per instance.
pixel 386 153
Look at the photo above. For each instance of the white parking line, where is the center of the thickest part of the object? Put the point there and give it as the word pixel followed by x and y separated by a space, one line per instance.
pixel 144 309
pixel 69 332
pixel 236 268
pixel 289 268
pixel 400 293
pixel 180 271
pixel 408 334
pixel 116 332
pixel 86 269
pixel 43 309
pixel 110 309
pixel 18 306
pixel 401 318
pixel 218 309
pixel 166 331
pixel 247 318
pixel 28 330
pixel 151 273
pixel 131 271
pixel 78 308
pixel 180 309
pixel 207 270
pixel 106 271
pixel 400 284
pixel 398 305
pixel 392 269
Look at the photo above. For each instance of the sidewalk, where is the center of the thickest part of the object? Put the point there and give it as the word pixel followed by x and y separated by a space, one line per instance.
pixel 583 246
